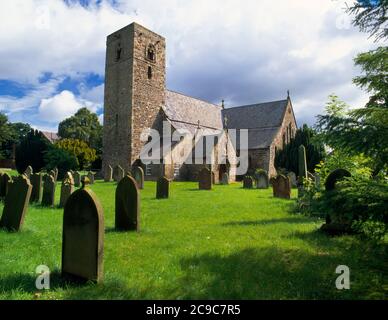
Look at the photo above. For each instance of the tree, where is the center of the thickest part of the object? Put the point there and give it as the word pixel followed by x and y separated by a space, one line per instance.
pixel 371 17
pixel 84 126
pixel 55 157
pixel 80 149
pixel 30 151
pixel 287 158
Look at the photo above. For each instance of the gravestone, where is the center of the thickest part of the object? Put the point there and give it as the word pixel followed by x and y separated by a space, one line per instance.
pixel 91 177
pixel 56 174
pixel 67 189
pixel 138 174
pixel 118 173
pixel 36 182
pixel 16 204
pixel 108 174
pixel 83 236
pixel 48 197
pixel 334 177
pixel 261 178
pixel 281 187
pixel 205 179
pixel 294 181
pixel 247 182
pixel 225 179
pixel 28 172
pixel 127 209
pixel 302 163
pixel 77 179
pixel 162 188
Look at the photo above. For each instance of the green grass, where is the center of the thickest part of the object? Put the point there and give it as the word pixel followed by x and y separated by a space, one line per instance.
pixel 228 243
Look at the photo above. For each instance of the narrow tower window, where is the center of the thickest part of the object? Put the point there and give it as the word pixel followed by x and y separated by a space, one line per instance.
pixel 118 52
pixel 151 53
pixel 149 72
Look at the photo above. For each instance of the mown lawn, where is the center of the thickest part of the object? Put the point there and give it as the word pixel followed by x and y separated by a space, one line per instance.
pixel 228 243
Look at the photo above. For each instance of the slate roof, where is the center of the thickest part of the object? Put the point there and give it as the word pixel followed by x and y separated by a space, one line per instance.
pixel 50 136
pixel 263 119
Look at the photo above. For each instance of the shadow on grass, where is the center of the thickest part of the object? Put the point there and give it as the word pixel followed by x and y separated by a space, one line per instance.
pixel 296 219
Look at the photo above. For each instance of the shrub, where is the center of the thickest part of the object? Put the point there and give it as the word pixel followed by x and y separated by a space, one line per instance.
pixel 80 149
pixel 61 159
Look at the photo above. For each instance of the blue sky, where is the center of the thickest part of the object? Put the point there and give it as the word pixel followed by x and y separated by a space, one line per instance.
pixel 52 53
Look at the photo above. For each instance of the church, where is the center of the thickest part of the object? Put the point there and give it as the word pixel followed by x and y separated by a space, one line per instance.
pixel 136 101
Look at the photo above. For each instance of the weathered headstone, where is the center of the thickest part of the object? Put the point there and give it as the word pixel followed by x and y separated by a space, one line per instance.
pixel 302 163
pixel 56 171
pixel 127 209
pixel 334 177
pixel 67 189
pixel 108 174
pixel 281 187
pixel 16 204
pixel 4 184
pixel 261 178
pixel 225 179
pixel 28 172
pixel 138 174
pixel 91 177
pixel 77 179
pixel 118 173
pixel 83 236
pixel 205 179
pixel 48 197
pixel 162 188
pixel 294 181
pixel 247 182
pixel 36 182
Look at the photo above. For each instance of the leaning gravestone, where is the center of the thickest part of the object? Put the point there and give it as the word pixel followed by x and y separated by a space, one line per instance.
pixel 162 188
pixel 28 172
pixel 77 179
pixel 127 209
pixel 334 177
pixel 261 178
pixel 5 182
pixel 138 174
pixel 225 179
pixel 294 181
pixel 281 187
pixel 67 189
pixel 48 197
pixel 108 174
pixel 16 204
pixel 205 179
pixel 83 236
pixel 118 173
pixel 247 182
pixel 91 177
pixel 36 182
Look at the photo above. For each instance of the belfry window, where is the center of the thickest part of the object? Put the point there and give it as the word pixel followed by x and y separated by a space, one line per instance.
pixel 149 72
pixel 151 53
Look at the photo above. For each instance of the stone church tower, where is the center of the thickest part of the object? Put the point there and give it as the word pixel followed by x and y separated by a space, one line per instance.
pixel 135 77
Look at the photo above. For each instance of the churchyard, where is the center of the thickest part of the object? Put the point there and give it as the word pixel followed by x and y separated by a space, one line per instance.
pixel 188 240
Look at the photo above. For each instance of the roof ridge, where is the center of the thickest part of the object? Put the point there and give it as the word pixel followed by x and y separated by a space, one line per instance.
pixel 256 104
pixel 186 95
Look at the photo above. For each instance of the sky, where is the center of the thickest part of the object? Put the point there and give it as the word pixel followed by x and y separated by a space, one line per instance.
pixel 52 53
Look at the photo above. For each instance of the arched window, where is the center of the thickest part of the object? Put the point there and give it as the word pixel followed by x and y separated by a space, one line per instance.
pixel 151 53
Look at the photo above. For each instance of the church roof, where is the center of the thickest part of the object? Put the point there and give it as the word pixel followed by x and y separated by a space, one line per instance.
pixel 185 112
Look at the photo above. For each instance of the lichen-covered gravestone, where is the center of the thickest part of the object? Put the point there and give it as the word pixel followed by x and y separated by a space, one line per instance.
pixel 28 172
pixel 294 181
pixel 281 187
pixel 261 178
pixel 108 174
pixel 48 197
pixel 77 179
pixel 67 189
pixel 138 174
pixel 91 177
pixel 127 209
pixel 225 179
pixel 36 182
pixel 16 204
pixel 118 173
pixel 205 179
pixel 162 188
pixel 83 236
pixel 247 182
